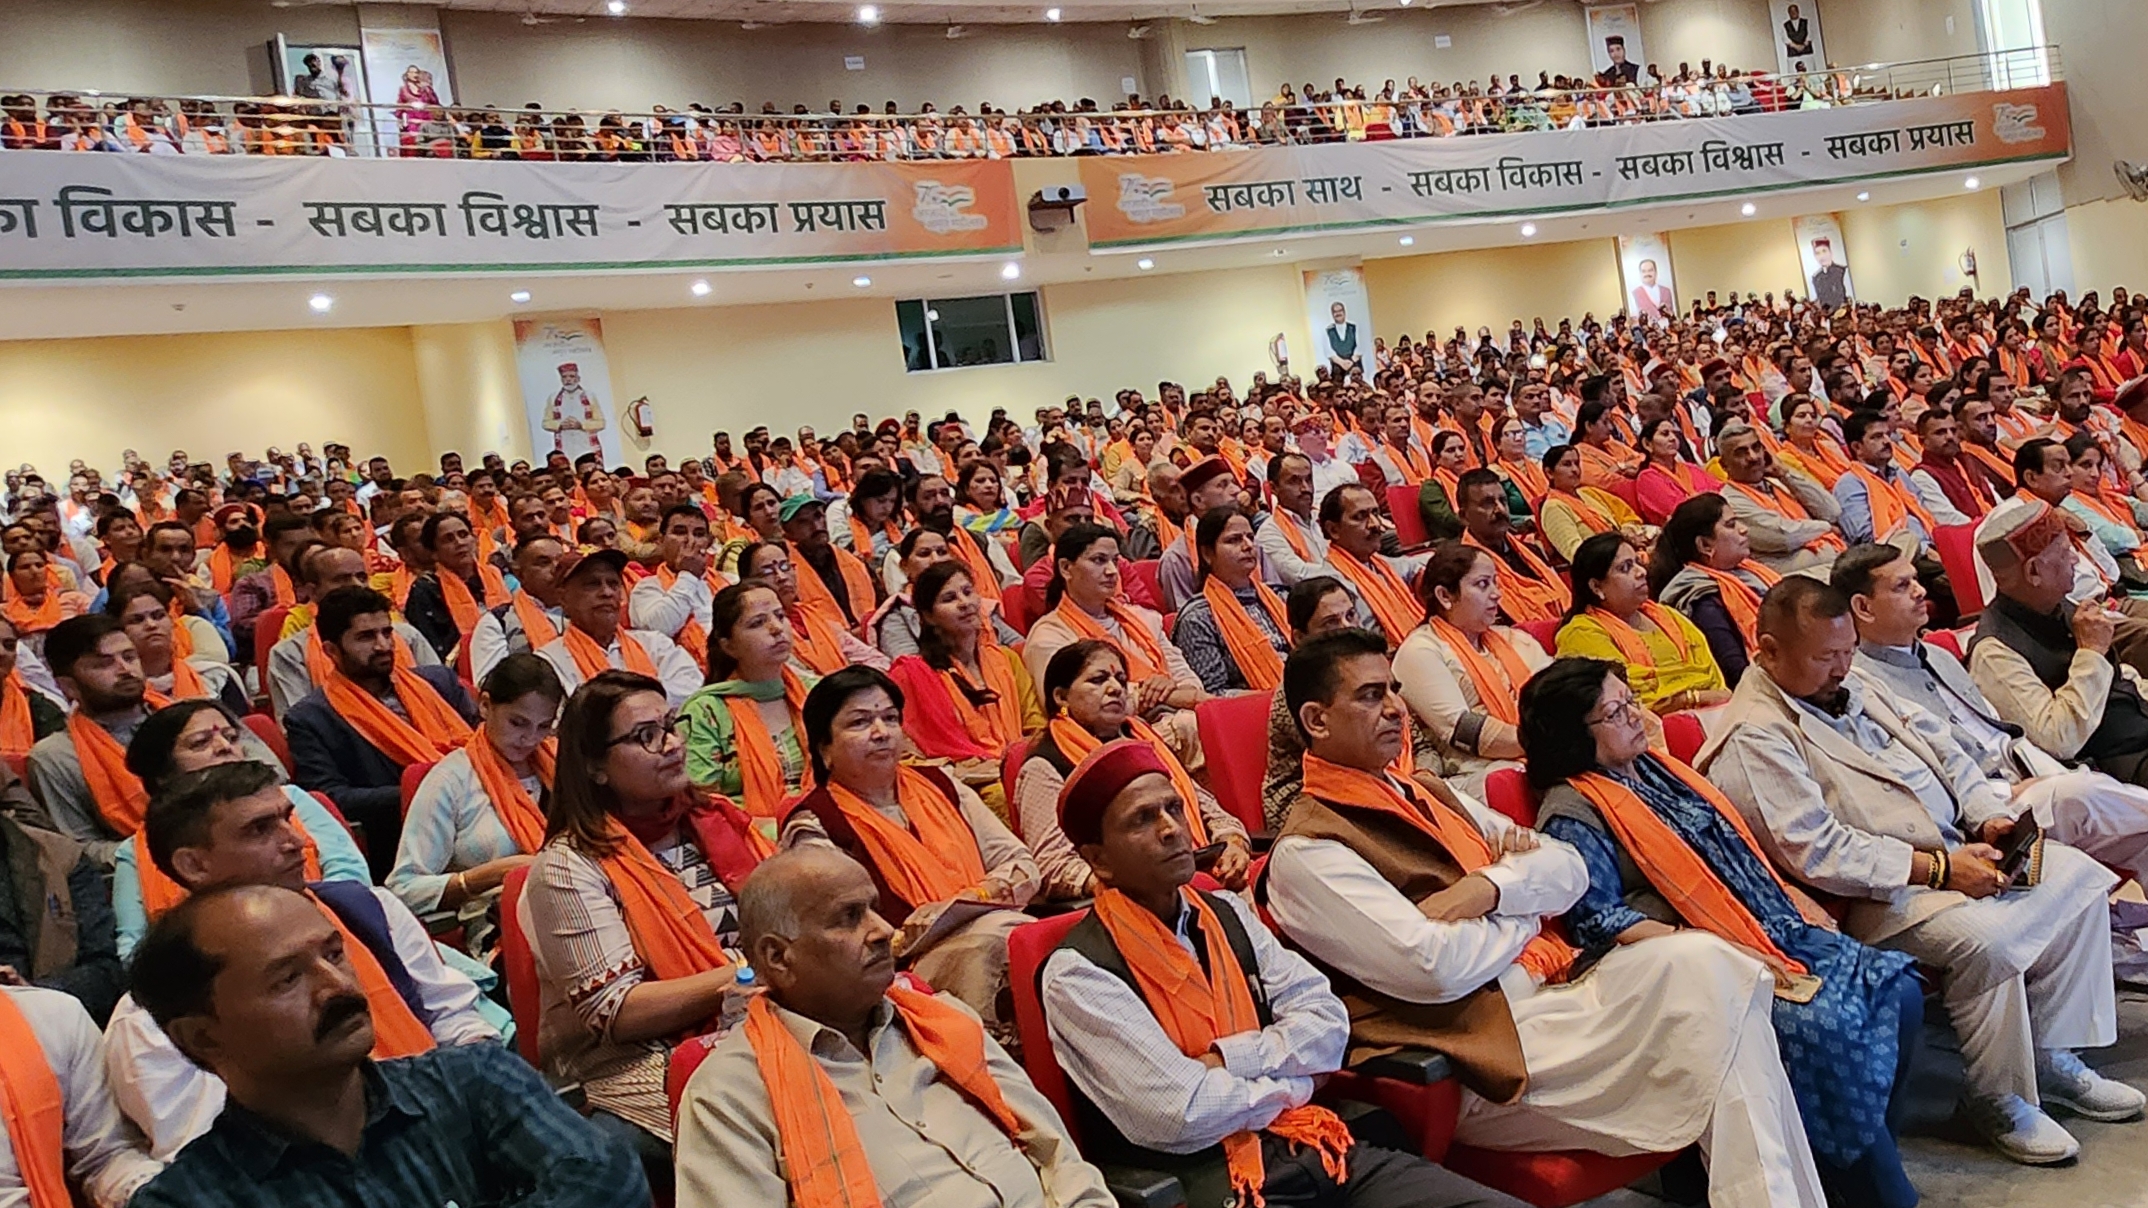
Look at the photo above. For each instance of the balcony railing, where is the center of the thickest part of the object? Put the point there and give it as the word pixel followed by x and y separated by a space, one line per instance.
pixel 88 120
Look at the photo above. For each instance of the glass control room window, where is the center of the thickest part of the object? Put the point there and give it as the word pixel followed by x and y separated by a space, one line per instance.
pixel 958 333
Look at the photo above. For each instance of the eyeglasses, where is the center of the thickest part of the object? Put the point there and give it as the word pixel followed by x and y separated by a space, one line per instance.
pixel 649 735
pixel 1626 713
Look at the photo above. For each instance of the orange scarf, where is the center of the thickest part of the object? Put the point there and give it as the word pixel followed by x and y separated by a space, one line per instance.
pixel 187 683
pixel 223 568
pixel 1674 868
pixel 1546 956
pixel 1891 505
pixel 121 799
pixel 399 586
pixel 1077 743
pixel 34 1110
pixel 1739 598
pixel 817 1143
pixel 814 595
pixel 1529 478
pixel 1198 1007
pixel 760 768
pixel 160 893
pixel 18 730
pixel 671 935
pixel 1143 653
pixel 998 725
pixel 1629 641
pixel 433 730
pixel 861 536
pixel 934 859
pixel 319 666
pixel 520 816
pixel 1591 517
pixel 1827 462
pixel 818 639
pixel 28 620
pixel 1251 650
pixel 536 625
pixel 1288 524
pixel 462 605
pixel 592 660
pixel 1785 504
pixel 1390 599
pixel 280 582
pixel 1497 679
pixel 692 637
pixel 1537 596
pixel 982 576
pixel 397 1031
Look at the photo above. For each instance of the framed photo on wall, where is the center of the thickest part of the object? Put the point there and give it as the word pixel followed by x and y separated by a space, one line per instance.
pixel 1795 26
pixel 1615 43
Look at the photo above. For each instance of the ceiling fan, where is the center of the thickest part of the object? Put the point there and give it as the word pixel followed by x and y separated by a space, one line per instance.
pixel 1359 17
pixel 1196 17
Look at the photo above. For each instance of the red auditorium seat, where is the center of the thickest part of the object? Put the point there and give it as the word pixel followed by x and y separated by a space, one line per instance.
pixel 1546 633
pixel 1955 544
pixel 1949 640
pixel 1507 790
pixel 519 965
pixel 1682 733
pixel 1141 581
pixel 413 776
pixel 1402 509
pixel 271 735
pixel 1553 1179
pixel 1234 740
pixel 357 835
pixel 267 628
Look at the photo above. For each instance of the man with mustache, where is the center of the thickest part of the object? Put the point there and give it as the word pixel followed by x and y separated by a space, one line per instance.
pixel 231 825
pixel 911 1083
pixel 268 994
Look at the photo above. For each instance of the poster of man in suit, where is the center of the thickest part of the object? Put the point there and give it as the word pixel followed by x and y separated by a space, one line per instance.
pixel 1826 259
pixel 1798 47
pixel 1644 263
pixel 1337 309
pixel 1615 43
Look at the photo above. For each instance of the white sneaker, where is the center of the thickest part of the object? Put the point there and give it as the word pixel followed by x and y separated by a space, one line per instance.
pixel 2063 1079
pixel 2020 1130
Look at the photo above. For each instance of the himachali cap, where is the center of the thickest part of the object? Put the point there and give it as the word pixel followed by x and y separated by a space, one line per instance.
pixel 1203 472
pixel 2023 534
pixel 1096 780
pixel 1709 369
pixel 569 367
pixel 1066 497
pixel 2132 394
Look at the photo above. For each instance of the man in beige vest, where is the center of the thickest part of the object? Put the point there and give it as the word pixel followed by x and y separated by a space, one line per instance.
pixel 1858 793
pixel 1427 913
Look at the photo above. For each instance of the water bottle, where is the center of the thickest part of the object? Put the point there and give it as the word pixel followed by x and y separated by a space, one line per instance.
pixel 737 999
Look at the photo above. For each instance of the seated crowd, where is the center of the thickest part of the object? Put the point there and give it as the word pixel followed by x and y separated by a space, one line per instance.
pixel 790 809
pixel 322 120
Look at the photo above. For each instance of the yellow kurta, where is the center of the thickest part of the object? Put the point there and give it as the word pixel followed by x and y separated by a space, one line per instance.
pixel 1585 637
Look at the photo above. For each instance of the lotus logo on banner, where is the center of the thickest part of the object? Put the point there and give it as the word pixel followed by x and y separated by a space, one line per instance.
pixel 1141 199
pixel 942 209
pixel 2015 123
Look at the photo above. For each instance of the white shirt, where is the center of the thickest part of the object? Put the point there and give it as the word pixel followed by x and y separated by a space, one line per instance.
pixel 1328 898
pixel 174 1101
pixel 105 1156
pixel 674 666
pixel 1290 569
pixel 493 639
pixel 1331 473
pixel 667 610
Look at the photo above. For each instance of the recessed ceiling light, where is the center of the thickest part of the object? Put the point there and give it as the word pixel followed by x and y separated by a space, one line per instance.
pixel 1971 183
pixel 321 303
pixel 1864 197
pixel 1051 14
pixel 1282 251
pixel 1409 241
pixel 1010 271
pixel 699 289
pixel 616 8
pixel 861 282
pixel 1528 230
pixel 1748 209
pixel 1144 264
pixel 868 14
pixel 519 297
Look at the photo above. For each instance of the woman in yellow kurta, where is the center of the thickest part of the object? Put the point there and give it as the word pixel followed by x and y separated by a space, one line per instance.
pixel 1666 658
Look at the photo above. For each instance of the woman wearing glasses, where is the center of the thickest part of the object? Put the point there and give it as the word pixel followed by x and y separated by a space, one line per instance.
pixel 631 906
pixel 186 737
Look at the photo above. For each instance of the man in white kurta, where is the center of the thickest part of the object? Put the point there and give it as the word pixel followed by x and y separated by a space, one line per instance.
pixel 1663 1044
pixel 1860 794
pixel 102 1154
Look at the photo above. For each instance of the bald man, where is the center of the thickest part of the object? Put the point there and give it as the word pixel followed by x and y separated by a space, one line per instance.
pixel 834 1025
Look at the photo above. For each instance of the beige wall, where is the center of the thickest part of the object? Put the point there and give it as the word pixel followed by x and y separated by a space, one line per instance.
pixel 1758 257
pixel 2110 245
pixel 159 46
pixel 469 393
pixel 1493 287
pixel 210 395
pixel 1897 251
pixel 2100 46
pixel 631 64
pixel 1884 31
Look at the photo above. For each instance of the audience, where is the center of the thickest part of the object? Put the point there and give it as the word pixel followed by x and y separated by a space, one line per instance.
pixel 1461 672
pixel 1665 849
pixel 230 825
pixel 1428 916
pixel 299 662
pixel 1194 1038
pixel 967 698
pixel 1856 793
pixel 595 637
pixel 313 1108
pixel 745 734
pixel 64 1131
pixel 1612 618
pixel 1703 567
pixel 1233 631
